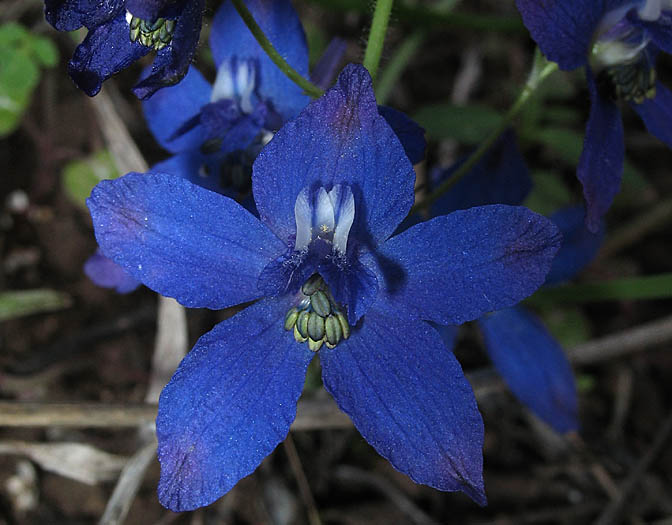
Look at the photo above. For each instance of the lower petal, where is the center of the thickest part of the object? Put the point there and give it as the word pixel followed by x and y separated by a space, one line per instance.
pixel 407 395
pixel 231 401
pixel 601 163
pixel 533 365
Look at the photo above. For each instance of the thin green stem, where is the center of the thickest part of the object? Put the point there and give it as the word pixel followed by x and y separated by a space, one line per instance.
pixel 309 88
pixel 374 46
pixel 537 76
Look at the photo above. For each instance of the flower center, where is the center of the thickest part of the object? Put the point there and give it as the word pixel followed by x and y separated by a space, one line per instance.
pixel 634 82
pixel 236 80
pixel 323 220
pixel 157 34
pixel 317 319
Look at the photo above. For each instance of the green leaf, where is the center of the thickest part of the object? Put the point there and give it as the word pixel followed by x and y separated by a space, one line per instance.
pixel 467 124
pixel 548 193
pixel 45 51
pixel 80 176
pixel 568 325
pixel 26 302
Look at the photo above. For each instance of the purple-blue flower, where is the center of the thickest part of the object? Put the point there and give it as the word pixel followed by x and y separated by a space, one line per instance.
pixel 324 274
pixel 122 31
pixel 623 37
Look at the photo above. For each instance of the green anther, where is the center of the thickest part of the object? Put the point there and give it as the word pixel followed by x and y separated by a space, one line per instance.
pixel 315 327
pixel 320 303
pixel 290 318
pixel 297 335
pixel 313 284
pixel 157 34
pixel 343 321
pixel 302 323
pixel 315 345
pixel 633 82
pixel 333 331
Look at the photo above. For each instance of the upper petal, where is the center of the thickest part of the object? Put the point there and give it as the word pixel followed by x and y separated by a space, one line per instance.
pixel 148 9
pixel 172 62
pixel 407 395
pixel 338 139
pixel 533 365
pixel 106 50
pixel 171 107
pixel 230 37
pixel 500 177
pixel 579 245
pixel 181 240
pixel 601 164
pixel 231 401
pixel 564 29
pixel 456 267
pixel 657 114
pixel 410 134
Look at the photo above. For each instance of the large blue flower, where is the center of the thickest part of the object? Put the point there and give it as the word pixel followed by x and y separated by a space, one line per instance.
pixel 623 37
pixel 330 188
pixel 122 31
pixel 526 355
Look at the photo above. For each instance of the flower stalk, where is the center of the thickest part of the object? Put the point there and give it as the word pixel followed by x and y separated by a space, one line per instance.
pixel 374 46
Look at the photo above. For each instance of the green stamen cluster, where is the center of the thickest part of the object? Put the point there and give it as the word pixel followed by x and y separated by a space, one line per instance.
pixel 634 82
pixel 156 34
pixel 318 319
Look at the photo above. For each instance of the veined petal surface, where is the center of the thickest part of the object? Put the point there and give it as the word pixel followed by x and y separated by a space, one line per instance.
pixel 231 401
pixel 456 267
pixel 181 240
pixel 407 396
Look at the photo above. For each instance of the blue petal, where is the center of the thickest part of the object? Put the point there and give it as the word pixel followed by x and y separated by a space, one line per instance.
pixel 500 177
pixel 106 50
pixel 148 9
pixel 107 274
pixel 230 37
pixel 448 334
pixel 660 31
pixel 181 240
pixel 456 267
pixel 338 139
pixel 172 62
pixel 409 399
pixel 579 245
pixel 533 365
pixel 231 401
pixel 324 72
pixel 354 286
pixel 564 29
pixel 199 169
pixel 68 15
pixel 228 128
pixel 657 114
pixel 171 107
pixel 601 164
pixel 409 133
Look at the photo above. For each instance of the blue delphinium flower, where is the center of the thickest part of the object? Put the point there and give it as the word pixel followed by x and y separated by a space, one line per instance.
pixel 525 354
pixel 122 31
pixel 624 38
pixel 330 188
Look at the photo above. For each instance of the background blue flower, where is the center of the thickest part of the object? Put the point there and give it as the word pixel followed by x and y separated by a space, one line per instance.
pixel 122 31
pixel 624 37
pixel 331 187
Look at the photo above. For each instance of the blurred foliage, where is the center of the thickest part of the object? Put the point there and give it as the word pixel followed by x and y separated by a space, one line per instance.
pixel 80 176
pixel 26 302
pixel 23 55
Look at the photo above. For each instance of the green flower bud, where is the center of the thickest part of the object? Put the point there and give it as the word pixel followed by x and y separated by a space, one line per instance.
pixel 302 323
pixel 343 321
pixel 313 284
pixel 333 330
pixel 290 318
pixel 298 337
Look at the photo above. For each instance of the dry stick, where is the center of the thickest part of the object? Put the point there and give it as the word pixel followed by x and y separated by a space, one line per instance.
pixel 311 414
pixel 611 513
pixel 300 475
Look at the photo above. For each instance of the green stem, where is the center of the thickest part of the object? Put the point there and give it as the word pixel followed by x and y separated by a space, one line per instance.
pixel 310 88
pixel 374 46
pixel 539 73
pixel 629 288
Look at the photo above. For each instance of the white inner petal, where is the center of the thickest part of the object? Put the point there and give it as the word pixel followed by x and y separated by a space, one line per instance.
pixel 651 10
pixel 304 220
pixel 245 79
pixel 343 203
pixel 223 88
pixel 613 52
pixel 324 215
